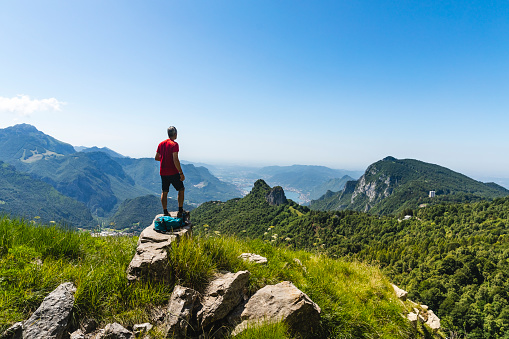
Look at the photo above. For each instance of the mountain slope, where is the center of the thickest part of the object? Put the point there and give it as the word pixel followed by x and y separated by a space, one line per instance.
pixel 106 150
pixel 392 185
pixel 201 185
pixel 334 185
pixel 451 257
pixel 92 178
pixel 23 196
pixel 25 143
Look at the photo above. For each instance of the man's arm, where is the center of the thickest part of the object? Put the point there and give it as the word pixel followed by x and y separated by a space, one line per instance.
pixel 158 157
pixel 176 161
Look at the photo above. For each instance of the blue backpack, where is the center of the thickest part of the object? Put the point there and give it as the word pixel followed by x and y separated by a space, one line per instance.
pixel 167 223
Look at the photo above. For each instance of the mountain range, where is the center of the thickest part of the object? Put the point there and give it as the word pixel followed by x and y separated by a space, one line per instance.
pixel 100 180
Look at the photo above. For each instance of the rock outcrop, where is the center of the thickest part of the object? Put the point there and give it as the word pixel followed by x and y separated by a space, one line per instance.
pixel 401 294
pixel 50 320
pixel 151 258
pixel 420 312
pixel 281 302
pixel 276 196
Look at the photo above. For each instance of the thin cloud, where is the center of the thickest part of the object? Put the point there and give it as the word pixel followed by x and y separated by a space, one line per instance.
pixel 23 105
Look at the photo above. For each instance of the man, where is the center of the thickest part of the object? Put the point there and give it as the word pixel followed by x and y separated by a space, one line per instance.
pixel 170 170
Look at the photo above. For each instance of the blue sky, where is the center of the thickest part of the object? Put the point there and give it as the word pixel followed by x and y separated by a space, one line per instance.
pixel 335 83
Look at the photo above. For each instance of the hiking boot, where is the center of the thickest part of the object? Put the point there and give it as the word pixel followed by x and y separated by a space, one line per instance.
pixel 166 213
pixel 184 214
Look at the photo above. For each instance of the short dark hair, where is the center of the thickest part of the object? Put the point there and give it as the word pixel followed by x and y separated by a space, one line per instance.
pixel 172 131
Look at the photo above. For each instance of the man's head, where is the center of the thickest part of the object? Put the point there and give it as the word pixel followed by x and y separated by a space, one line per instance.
pixel 172 132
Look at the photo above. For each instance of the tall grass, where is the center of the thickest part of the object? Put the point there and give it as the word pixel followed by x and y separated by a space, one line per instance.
pixel 356 299
pixel 36 259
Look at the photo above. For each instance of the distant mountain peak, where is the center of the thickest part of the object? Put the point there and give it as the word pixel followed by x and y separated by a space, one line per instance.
pixel 24 127
pixel 105 150
pixel 24 142
pixel 260 185
pixel 389 158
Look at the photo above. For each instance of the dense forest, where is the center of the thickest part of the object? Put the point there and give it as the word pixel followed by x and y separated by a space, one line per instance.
pixel 452 257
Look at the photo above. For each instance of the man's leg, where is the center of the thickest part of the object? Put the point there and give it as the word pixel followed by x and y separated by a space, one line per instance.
pixel 164 201
pixel 180 198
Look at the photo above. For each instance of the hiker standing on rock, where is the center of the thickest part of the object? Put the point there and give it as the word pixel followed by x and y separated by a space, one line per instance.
pixel 170 170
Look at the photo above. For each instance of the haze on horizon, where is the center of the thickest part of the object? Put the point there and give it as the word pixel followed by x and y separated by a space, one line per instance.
pixel 338 84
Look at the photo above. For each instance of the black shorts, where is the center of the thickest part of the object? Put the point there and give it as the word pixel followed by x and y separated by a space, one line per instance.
pixel 172 179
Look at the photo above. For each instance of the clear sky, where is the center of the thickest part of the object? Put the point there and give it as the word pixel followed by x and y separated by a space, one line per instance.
pixel 335 83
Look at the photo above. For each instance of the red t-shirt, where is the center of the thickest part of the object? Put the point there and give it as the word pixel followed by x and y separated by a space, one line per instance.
pixel 166 149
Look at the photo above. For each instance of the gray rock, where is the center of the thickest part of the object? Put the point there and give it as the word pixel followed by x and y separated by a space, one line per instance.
pixel 114 331
pixel 253 258
pixel 433 321
pixel 276 196
pixel 139 329
pixel 13 332
pixel 401 294
pixel 221 296
pixel 412 317
pixel 281 302
pixel 180 308
pixel 78 334
pixel 51 318
pixel 151 258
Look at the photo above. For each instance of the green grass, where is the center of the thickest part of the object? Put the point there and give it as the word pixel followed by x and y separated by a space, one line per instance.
pixel 356 299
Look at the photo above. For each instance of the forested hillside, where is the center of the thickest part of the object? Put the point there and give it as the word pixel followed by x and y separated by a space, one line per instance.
pixel 452 257
pixel 391 185
pixel 35 200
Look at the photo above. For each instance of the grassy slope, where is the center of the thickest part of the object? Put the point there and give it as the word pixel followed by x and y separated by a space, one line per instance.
pixel 356 300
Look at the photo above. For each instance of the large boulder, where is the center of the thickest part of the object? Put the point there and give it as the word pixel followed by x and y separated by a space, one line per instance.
pixel 281 302
pixel 180 311
pixel 151 258
pixel 221 296
pixel 50 320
